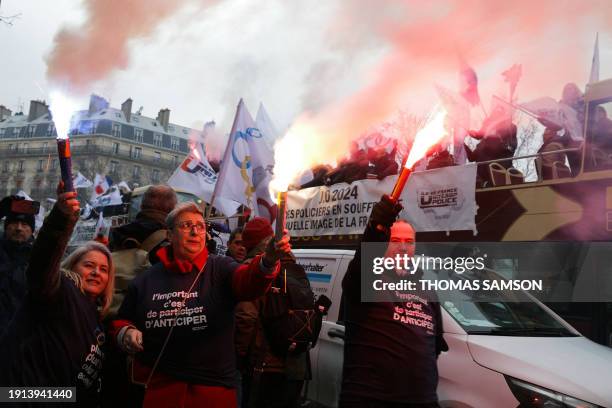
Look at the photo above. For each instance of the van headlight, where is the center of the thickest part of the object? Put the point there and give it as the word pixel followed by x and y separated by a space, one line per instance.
pixel 530 395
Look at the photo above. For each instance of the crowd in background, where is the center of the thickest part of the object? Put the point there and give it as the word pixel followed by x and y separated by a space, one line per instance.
pixel 158 320
pixel 495 141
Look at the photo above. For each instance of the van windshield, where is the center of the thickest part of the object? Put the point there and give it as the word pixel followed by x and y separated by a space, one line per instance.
pixel 502 313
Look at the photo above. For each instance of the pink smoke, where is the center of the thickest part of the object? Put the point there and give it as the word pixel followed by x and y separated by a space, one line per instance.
pixel 552 39
pixel 99 46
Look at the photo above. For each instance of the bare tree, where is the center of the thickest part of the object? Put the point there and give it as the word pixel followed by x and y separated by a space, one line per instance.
pixel 8 20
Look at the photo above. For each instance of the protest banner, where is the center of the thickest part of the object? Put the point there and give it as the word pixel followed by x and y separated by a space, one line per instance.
pixel 434 200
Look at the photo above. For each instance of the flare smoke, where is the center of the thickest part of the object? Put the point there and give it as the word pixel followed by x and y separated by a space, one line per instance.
pixel 93 50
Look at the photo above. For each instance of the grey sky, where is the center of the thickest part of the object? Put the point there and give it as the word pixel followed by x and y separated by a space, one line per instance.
pixel 292 55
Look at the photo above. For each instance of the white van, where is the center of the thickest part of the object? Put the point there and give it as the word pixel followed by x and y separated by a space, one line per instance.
pixel 489 363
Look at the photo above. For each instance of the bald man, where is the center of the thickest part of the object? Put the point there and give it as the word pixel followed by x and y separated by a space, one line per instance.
pixel 389 361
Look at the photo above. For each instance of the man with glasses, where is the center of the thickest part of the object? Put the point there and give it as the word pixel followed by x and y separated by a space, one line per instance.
pixel 390 347
pixel 177 318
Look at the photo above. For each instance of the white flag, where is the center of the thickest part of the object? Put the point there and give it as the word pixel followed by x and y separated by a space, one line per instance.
pixel 265 125
pixel 442 199
pixel 196 176
pixel 558 113
pixel 124 187
pixel 86 212
pixel 80 181
pixel 263 162
pixel 112 197
pixel 100 187
pixel 594 77
pixel 246 162
pixel 102 227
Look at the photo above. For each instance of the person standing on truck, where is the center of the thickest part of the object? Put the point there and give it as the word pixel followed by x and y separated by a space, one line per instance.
pixel 388 362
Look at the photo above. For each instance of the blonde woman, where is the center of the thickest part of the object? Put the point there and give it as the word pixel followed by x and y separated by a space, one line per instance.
pixel 56 338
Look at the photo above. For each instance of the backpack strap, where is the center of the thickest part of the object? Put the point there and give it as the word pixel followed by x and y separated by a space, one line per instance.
pixel 154 239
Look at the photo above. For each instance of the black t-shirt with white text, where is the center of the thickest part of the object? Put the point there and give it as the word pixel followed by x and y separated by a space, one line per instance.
pixel 201 347
pixel 390 348
pixel 56 343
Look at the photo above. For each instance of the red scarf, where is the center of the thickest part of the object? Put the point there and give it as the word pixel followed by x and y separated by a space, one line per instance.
pixel 172 264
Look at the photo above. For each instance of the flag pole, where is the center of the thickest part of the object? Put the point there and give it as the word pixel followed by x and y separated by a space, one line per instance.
pixel 533 115
pixel 226 155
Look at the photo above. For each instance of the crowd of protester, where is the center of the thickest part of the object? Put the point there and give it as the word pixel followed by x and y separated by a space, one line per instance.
pixel 159 321
pixel 152 318
pixel 496 141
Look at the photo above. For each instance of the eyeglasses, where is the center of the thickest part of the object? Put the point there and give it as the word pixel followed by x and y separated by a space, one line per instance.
pixel 186 226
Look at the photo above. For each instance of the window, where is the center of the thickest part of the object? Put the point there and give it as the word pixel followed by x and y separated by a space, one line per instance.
pixel 17 131
pixel 116 130
pixel 5 166
pixel 94 127
pixel 31 130
pixel 11 147
pixel 41 165
pixel 51 129
pixel 157 139
pixel 174 161
pixel 45 146
pixel 138 135
pixel 21 167
pixel 54 164
pixel 118 115
pixel 157 156
pixel 175 143
pixel 136 152
pixel 113 166
pixel 89 144
pixel 115 149
pixel 136 172
pixel 2 132
pixel 24 148
pixel 171 128
pixel 155 175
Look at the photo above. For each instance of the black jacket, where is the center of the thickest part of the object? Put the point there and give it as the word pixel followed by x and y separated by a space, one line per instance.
pixel 387 357
pixel 14 259
pixel 56 338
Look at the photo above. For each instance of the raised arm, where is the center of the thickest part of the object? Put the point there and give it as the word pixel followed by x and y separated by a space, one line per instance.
pixel 43 271
pixel 253 280
pixel 381 219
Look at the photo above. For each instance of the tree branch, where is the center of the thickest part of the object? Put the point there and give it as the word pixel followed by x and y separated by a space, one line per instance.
pixel 9 20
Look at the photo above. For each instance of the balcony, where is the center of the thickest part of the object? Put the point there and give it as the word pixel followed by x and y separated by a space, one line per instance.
pixel 86 150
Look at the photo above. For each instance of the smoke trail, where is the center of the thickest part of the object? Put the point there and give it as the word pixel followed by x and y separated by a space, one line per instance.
pixel 93 50
pixel 552 39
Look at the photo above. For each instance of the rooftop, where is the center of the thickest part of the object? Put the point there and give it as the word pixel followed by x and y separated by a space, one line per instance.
pixel 111 114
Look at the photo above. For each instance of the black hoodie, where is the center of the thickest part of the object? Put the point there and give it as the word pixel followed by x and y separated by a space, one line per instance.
pixel 55 339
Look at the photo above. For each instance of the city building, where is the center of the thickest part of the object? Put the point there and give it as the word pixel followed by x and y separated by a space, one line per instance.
pixel 119 143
